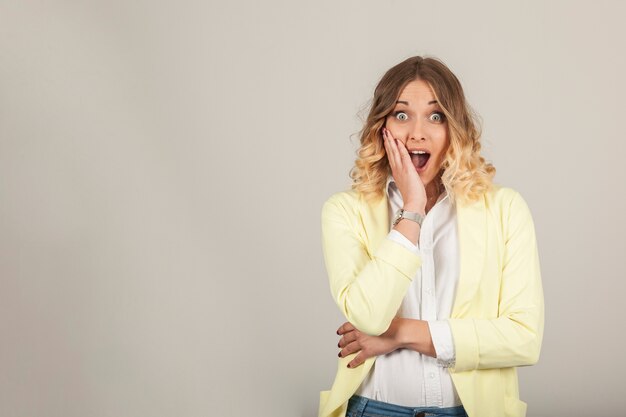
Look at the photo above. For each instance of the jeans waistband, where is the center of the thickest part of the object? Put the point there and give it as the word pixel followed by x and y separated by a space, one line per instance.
pixel 364 404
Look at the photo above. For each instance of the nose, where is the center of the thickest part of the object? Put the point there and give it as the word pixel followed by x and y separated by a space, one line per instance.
pixel 416 133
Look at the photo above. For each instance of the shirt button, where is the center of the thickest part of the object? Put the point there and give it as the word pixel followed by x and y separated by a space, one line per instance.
pixel 431 375
pixel 429 291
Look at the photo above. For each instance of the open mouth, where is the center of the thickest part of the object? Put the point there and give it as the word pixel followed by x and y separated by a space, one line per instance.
pixel 420 160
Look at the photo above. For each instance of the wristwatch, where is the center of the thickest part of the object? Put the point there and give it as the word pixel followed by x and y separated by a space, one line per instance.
pixel 403 214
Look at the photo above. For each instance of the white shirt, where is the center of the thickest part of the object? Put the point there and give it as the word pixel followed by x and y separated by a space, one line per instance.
pixel 404 376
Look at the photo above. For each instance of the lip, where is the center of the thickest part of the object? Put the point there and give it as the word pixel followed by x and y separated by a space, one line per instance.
pixel 418 149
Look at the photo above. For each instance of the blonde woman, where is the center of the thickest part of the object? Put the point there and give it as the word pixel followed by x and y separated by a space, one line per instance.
pixel 433 265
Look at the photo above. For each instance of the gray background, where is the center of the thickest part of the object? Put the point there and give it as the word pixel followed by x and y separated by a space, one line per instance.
pixel 163 166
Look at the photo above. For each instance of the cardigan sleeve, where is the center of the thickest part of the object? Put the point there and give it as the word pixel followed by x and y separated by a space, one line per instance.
pixel 368 287
pixel 514 337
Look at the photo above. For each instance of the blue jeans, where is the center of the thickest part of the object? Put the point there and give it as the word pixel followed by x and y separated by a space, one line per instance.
pixel 365 407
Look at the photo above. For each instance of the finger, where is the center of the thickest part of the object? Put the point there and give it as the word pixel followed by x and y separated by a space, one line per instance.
pixel 346 327
pixel 388 150
pixel 395 152
pixel 406 163
pixel 349 349
pixel 357 361
pixel 347 338
pixel 405 157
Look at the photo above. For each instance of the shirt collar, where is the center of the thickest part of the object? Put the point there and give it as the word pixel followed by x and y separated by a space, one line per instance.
pixel 389 181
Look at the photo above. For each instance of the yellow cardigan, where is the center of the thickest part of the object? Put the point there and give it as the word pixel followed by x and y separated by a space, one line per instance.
pixel 498 314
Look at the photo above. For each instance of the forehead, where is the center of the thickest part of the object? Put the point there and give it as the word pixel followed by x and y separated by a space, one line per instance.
pixel 417 92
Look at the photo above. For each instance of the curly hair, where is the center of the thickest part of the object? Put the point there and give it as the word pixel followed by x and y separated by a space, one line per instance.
pixel 465 174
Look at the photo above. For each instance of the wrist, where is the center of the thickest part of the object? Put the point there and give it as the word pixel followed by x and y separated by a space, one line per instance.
pixel 406 333
pixel 414 207
pixel 415 335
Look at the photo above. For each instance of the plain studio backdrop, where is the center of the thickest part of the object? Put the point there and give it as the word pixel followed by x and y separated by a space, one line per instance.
pixel 163 167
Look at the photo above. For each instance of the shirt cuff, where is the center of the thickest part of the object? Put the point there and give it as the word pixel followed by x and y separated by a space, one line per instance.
pixel 441 335
pixel 404 241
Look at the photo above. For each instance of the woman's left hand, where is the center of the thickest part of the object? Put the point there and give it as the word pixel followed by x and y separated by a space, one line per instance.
pixel 353 340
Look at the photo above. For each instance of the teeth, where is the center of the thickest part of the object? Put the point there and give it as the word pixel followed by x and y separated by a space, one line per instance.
pixel 418 152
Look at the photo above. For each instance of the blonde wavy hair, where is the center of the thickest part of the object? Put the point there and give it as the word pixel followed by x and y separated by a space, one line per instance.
pixel 464 173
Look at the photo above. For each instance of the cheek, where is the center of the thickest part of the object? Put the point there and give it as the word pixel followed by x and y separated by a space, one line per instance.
pixel 390 123
pixel 444 149
pixel 441 143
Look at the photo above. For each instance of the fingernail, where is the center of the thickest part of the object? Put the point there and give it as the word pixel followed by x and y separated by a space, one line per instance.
pixel 337 331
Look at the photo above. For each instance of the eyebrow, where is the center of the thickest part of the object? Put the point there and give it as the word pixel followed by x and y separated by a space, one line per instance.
pixel 407 103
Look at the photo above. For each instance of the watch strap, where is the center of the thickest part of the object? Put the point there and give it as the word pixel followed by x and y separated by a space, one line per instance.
pixel 410 215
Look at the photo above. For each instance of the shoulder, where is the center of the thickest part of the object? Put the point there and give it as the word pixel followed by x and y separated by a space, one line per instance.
pixel 354 207
pixel 508 205
pixel 341 208
pixel 346 197
pixel 502 196
pixel 345 201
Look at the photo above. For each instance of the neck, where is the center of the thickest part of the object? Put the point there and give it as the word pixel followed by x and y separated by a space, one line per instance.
pixel 434 189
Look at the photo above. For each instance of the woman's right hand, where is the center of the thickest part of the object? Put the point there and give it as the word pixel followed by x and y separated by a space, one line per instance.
pixel 404 174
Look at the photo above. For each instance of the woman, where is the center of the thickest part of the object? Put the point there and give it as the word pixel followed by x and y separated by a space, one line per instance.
pixel 434 266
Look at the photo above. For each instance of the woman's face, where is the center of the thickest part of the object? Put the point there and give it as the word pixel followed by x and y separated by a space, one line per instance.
pixel 419 124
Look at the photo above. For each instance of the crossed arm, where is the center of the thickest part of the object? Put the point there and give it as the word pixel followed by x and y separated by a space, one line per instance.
pixel 403 333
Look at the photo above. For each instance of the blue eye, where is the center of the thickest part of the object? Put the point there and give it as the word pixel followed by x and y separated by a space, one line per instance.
pixel 437 117
pixel 400 115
